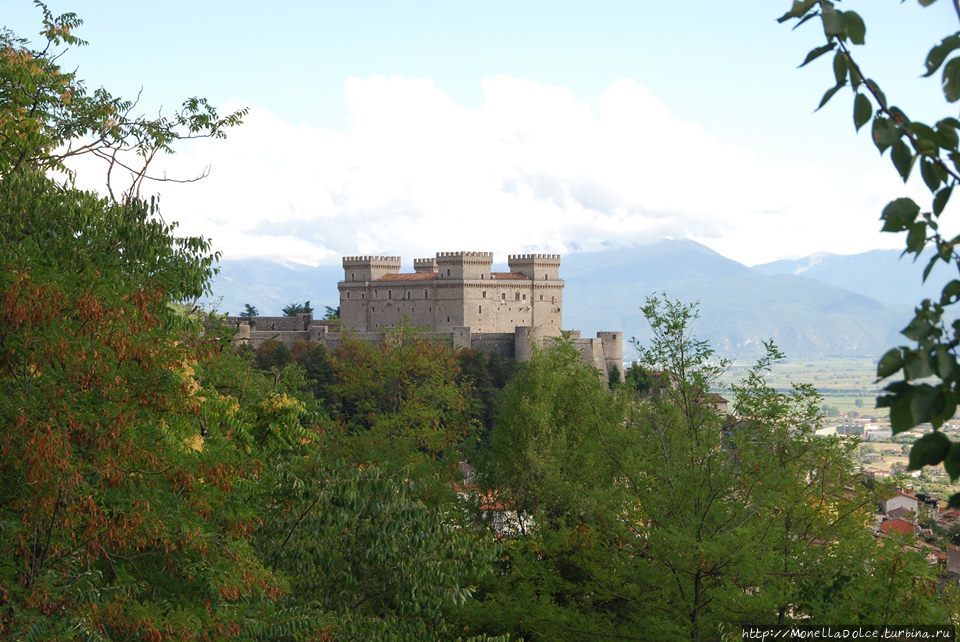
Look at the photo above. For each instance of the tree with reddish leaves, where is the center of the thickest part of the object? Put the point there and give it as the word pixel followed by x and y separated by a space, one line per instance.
pixel 123 514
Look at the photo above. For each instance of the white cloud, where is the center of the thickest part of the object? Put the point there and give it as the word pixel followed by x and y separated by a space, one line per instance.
pixel 532 168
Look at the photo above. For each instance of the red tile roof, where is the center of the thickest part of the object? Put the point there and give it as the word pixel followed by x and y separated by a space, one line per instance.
pixel 508 275
pixel 900 526
pixel 409 276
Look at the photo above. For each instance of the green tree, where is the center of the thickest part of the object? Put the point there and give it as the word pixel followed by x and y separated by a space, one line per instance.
pixel 657 517
pixel 272 354
pixel 48 116
pixel 930 386
pixel 294 309
pixel 249 310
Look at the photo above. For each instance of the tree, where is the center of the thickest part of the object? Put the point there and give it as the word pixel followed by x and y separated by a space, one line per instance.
pixel 48 116
pixel 121 509
pixel 249 311
pixel 930 386
pixel 658 517
pixel 294 309
pixel 329 313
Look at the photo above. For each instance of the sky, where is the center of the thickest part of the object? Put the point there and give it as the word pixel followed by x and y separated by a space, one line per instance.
pixel 407 128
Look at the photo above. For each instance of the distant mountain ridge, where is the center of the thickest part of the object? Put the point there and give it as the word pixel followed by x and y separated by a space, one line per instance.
pixel 822 305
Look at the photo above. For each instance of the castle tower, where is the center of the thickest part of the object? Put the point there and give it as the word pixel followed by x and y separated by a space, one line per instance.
pixel 369 268
pixel 464 265
pixel 546 289
pixel 358 273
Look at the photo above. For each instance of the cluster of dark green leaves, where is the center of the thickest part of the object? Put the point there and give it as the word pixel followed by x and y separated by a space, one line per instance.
pixel 930 387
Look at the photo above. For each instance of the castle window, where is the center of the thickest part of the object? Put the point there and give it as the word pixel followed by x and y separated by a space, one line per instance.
pixel 448 271
pixel 426 293
pixel 448 319
pixel 363 295
pixel 484 294
pixel 348 295
pixel 390 294
pixel 524 297
pixel 503 296
pixel 407 295
pixel 553 299
pixel 479 309
pixel 541 297
pixel 516 296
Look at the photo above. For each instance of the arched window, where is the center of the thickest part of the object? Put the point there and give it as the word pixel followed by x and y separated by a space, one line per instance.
pixel 390 294
pixel 353 277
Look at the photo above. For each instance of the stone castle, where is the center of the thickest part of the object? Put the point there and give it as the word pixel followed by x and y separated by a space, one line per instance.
pixel 455 296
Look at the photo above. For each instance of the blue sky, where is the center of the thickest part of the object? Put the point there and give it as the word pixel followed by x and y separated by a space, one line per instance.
pixel 382 88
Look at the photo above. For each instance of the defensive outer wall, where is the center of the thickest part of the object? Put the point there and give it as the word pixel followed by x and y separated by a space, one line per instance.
pixel 454 297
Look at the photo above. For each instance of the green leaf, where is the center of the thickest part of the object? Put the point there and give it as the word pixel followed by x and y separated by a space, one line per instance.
pixel 946 363
pixel 832 21
pixel 950 293
pixel 875 88
pixel 916 237
pixel 799 8
pixel 884 132
pixel 925 404
pixel 899 214
pixel 889 363
pixel 862 111
pixel 902 159
pixel 940 199
pixel 939 53
pixel 929 267
pixel 901 419
pixel 926 3
pixel 854 27
pixel 948 133
pixel 951 80
pixel 840 67
pixel 916 365
pixel 827 96
pixel 951 463
pixel 929 450
pixel 931 177
pixel 813 54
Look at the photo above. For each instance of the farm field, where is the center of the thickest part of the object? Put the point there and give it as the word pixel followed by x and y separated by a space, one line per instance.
pixel 847 385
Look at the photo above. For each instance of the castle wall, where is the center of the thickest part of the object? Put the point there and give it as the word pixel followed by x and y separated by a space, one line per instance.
pixel 454 297
pixel 455 289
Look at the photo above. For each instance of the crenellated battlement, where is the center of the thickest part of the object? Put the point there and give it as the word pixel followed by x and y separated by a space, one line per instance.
pixel 534 257
pixel 364 260
pixel 464 255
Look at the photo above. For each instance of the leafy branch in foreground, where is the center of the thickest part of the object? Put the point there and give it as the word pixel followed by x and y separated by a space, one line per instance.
pixel 48 116
pixel 930 386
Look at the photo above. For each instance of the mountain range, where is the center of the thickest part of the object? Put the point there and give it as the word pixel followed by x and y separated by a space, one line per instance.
pixel 823 305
